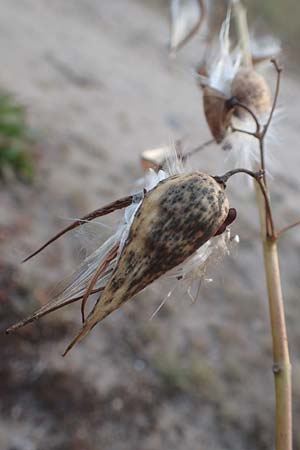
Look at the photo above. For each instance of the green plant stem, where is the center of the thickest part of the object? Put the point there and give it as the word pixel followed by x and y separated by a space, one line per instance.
pixel 281 359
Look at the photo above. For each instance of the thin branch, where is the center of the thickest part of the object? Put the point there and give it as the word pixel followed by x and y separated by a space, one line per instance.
pixel 224 178
pixel 233 102
pixel 239 130
pixel 259 135
pixel 287 228
pixel 258 178
pixel 269 223
pixel 262 159
pixel 197 149
pixel 278 70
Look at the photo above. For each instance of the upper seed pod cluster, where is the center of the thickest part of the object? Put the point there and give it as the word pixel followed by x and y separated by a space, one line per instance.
pixel 227 78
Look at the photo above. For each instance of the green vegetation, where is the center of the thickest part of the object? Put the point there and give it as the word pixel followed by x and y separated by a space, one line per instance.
pixel 14 140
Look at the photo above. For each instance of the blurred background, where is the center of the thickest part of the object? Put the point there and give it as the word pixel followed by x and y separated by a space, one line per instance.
pixel 85 87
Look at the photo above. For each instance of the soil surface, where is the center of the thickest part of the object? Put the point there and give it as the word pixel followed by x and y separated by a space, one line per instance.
pixel 99 88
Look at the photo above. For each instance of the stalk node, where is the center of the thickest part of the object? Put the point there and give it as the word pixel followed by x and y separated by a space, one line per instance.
pixel 276 369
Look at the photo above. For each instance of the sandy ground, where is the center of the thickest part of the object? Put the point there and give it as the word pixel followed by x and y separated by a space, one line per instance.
pixel 99 89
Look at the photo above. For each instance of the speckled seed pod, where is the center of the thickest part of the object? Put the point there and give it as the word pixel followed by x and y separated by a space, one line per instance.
pixel 217 114
pixel 178 216
pixel 251 89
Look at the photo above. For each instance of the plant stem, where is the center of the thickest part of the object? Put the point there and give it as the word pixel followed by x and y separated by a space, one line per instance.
pixel 281 359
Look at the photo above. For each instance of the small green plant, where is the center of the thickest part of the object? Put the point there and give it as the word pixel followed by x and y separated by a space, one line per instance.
pixel 14 139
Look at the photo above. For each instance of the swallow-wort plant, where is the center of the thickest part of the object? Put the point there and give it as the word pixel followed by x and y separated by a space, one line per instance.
pixel 178 223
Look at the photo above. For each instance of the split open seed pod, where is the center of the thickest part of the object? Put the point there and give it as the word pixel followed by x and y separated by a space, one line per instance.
pixel 175 218
pixel 168 225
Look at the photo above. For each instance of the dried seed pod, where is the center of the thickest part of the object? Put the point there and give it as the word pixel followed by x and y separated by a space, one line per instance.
pixel 251 89
pixel 216 112
pixel 178 216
